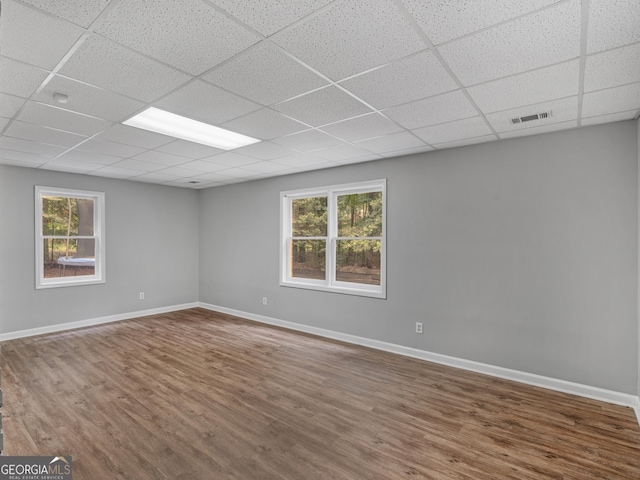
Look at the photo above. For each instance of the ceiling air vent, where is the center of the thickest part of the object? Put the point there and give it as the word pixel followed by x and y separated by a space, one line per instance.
pixel 529 118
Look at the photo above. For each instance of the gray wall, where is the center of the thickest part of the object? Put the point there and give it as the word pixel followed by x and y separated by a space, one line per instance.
pixel 638 134
pixel 521 253
pixel 151 242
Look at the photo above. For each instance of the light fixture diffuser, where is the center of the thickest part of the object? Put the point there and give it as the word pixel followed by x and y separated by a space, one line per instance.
pixel 166 123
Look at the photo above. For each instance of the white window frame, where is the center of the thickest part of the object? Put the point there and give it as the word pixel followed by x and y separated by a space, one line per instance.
pixel 330 284
pixel 98 235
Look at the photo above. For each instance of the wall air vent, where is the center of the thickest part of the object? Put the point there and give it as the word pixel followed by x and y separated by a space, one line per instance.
pixel 529 118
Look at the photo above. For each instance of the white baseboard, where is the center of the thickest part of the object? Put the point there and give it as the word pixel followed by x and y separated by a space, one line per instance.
pixel 587 391
pixel 93 321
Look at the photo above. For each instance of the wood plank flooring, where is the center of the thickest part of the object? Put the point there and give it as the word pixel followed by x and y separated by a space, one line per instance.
pixel 200 395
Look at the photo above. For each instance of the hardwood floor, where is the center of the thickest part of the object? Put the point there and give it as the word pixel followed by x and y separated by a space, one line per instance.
pixel 199 395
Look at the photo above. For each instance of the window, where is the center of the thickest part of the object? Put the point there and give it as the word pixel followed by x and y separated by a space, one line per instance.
pixel 333 239
pixel 69 237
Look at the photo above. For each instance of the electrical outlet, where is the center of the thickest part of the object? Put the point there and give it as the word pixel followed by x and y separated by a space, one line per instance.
pixel 418 327
pixel 141 295
pixel 264 300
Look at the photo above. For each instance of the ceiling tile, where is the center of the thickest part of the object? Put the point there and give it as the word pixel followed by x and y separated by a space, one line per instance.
pixel 66 168
pixel 33 37
pixel 19 79
pixel 412 78
pixel 361 128
pixel 39 134
pixel 612 68
pixel 264 124
pixel 236 172
pixel 549 36
pixel 612 23
pixel 270 16
pixel 72 163
pixel 189 149
pixel 9 105
pixel 528 88
pixel 154 177
pixel 323 106
pixel 366 158
pixel 537 130
pixel 267 167
pixel 458 130
pixel 179 172
pixel 430 111
pixel 139 165
pixel 205 166
pixel 351 37
pixel 342 152
pixel 391 143
pixel 186 34
pixel 109 148
pixel 29 158
pixel 32 163
pixel 108 65
pixel 266 75
pixel 561 111
pixel 80 12
pixel 90 157
pixel 212 177
pixel 303 160
pixel 134 136
pixel 612 117
pixel 204 102
pixel 612 100
pixel 20 145
pixel 307 140
pixel 161 158
pixel 407 151
pixel 468 141
pixel 264 151
pixel 116 172
pixel 60 119
pixel 435 16
pixel 515 57
pixel 231 159
pixel 83 98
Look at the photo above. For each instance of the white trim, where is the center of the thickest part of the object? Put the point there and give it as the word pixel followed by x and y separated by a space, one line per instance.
pixel 93 321
pixel 550 383
pixel 98 236
pixel 330 284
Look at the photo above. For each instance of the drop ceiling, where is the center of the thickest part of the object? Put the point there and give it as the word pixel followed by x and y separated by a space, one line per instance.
pixel 322 83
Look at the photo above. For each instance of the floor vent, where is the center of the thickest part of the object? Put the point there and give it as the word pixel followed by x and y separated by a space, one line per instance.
pixel 529 118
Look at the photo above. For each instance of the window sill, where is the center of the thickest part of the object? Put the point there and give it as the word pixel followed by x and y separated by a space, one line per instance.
pixel 345 290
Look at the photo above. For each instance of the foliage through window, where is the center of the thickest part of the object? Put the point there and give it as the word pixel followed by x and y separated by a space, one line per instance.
pixel 333 239
pixel 69 237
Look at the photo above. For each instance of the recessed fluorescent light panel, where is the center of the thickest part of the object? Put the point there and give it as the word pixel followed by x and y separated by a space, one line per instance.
pixel 166 123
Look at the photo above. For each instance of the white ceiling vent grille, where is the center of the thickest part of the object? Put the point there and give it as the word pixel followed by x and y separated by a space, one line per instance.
pixel 529 118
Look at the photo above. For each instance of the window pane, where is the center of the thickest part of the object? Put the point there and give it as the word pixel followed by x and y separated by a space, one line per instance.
pixel 308 258
pixel 68 257
pixel 67 216
pixel 360 215
pixel 358 261
pixel 309 217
